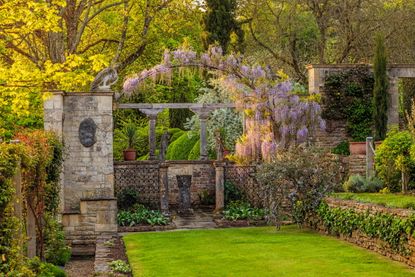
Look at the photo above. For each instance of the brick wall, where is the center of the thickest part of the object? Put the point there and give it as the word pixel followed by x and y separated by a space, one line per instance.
pixel 203 179
pixel 143 176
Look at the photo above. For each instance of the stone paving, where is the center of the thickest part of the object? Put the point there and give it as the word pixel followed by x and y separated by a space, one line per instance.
pixel 199 220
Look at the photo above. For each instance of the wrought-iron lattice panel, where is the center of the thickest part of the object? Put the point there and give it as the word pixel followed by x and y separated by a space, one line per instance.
pixel 243 177
pixel 142 177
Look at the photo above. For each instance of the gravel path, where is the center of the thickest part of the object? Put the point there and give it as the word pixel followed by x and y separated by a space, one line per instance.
pixel 80 268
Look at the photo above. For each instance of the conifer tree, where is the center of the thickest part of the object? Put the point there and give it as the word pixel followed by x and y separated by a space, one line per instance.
pixel 220 22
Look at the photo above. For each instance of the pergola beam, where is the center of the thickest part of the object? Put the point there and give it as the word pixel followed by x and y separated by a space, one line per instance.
pixel 174 106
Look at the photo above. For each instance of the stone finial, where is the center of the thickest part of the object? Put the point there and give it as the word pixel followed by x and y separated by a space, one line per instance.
pixel 105 79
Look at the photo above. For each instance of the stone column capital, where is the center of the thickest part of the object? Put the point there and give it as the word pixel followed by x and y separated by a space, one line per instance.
pixel 203 113
pixel 151 113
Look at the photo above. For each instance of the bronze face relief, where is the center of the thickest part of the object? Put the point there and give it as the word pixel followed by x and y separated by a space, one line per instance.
pixel 87 131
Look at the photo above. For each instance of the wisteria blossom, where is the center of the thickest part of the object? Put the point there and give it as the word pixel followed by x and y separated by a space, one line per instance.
pixel 276 118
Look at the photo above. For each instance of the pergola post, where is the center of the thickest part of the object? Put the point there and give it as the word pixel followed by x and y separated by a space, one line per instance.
pixel 152 140
pixel 203 114
pixel 219 186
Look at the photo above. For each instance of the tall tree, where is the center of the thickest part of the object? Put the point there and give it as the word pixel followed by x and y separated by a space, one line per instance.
pixel 380 90
pixel 220 22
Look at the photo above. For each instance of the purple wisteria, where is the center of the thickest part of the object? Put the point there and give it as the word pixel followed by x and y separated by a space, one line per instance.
pixel 276 118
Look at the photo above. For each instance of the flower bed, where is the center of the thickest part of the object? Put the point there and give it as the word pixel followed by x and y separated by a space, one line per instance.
pixel 241 214
pixel 141 219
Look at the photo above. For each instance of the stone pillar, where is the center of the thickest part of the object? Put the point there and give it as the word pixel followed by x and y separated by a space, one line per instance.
pixel 393 108
pixel 152 140
pixel 315 78
pixel 53 113
pixel 370 156
pixel 203 114
pixel 164 189
pixel 220 186
pixel 53 116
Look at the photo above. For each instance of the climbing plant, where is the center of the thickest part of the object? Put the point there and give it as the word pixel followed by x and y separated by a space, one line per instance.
pixel 276 118
pixel 348 97
pixel 380 90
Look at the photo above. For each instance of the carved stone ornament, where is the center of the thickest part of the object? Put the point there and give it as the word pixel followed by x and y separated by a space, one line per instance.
pixel 87 131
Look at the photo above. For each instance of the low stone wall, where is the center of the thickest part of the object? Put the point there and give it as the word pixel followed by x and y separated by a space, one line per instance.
pixel 334 134
pixel 363 240
pixel 357 165
pixel 144 176
pixel 96 217
pixel 243 177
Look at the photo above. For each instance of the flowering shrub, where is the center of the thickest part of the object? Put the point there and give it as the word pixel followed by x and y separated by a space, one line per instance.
pixel 276 118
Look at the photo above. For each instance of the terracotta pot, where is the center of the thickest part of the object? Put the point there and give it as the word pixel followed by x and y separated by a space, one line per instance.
pixel 130 155
pixel 357 148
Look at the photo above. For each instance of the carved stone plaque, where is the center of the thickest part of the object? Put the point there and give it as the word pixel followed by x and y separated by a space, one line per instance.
pixel 87 130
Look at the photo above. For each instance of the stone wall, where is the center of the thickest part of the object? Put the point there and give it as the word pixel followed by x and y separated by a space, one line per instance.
pixel 372 243
pixel 203 179
pixel 334 134
pixel 144 177
pixel 357 164
pixel 87 181
pixel 88 171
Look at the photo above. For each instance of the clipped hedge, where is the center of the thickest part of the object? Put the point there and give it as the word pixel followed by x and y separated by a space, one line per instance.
pixel 181 147
pixel 195 152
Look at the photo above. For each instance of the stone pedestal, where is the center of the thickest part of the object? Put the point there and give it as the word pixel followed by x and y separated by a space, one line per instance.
pixel 184 182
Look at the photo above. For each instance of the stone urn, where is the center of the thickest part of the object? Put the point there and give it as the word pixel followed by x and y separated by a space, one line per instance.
pixel 357 148
pixel 130 155
pixel 184 182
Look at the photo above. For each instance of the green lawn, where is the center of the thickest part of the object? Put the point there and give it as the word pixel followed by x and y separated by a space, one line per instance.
pixel 261 251
pixel 389 199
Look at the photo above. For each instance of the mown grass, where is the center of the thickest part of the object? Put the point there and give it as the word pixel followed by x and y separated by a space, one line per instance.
pixel 392 200
pixel 261 251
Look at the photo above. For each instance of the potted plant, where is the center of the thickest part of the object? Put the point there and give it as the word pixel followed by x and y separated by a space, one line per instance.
pixel 130 136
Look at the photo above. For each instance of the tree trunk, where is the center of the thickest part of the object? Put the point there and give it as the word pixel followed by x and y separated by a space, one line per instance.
pixel 405 181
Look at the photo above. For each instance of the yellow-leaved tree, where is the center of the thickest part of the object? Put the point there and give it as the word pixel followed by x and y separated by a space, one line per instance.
pixel 52 45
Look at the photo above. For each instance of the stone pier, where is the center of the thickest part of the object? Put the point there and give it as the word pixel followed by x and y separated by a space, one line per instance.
pixel 85 123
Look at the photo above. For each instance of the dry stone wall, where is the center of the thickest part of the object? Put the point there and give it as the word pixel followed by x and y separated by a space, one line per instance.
pixel 365 241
